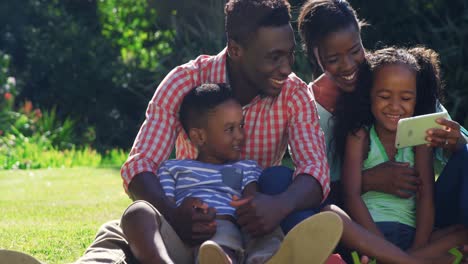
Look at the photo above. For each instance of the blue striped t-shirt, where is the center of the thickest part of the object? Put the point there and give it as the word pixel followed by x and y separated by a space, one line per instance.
pixel 214 184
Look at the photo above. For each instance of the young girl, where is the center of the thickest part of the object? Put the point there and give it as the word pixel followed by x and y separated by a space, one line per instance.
pixel 393 84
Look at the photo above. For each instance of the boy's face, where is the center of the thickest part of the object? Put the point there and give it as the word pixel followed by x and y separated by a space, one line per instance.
pixel 224 134
pixel 393 95
pixel 267 58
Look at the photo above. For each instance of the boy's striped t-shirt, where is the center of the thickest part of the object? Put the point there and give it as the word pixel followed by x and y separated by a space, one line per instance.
pixel 215 184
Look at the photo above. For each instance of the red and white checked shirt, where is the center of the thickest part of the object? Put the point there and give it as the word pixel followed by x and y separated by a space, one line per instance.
pixel 271 123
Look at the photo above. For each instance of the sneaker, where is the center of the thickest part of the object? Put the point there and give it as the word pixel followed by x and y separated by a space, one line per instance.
pixel 212 253
pixel 311 241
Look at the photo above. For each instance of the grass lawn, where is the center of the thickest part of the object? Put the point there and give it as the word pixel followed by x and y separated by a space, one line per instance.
pixel 53 214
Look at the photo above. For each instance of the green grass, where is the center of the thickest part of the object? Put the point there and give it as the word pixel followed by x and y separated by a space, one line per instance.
pixel 53 214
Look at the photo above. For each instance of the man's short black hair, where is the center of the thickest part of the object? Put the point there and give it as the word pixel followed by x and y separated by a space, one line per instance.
pixel 245 17
pixel 201 100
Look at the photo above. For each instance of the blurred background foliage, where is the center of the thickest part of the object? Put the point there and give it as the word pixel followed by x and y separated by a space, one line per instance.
pixel 93 65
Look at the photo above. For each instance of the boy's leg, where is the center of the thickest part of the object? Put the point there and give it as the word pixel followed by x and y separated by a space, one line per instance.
pixel 275 180
pixel 151 238
pixel 224 247
pixel 109 246
pixel 451 191
pixel 261 249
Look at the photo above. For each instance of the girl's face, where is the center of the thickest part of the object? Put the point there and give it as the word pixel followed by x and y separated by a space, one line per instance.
pixel 340 54
pixel 393 95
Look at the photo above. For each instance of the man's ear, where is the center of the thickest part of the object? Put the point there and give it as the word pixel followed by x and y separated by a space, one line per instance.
pixel 197 136
pixel 234 49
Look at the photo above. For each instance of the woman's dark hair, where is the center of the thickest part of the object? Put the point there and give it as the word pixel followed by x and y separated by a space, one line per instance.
pixel 429 83
pixel 353 110
pixel 319 18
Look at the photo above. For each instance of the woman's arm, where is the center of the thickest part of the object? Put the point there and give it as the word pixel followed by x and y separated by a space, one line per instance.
pixel 355 152
pixel 396 178
pixel 424 198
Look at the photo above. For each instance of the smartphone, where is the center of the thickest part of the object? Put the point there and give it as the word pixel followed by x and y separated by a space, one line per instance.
pixel 411 131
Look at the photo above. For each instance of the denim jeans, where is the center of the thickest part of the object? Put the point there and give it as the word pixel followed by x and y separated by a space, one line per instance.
pixel 451 191
pixel 275 180
pixel 400 235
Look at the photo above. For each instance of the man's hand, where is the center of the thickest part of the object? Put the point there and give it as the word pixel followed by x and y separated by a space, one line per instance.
pixel 193 221
pixel 390 177
pixel 260 214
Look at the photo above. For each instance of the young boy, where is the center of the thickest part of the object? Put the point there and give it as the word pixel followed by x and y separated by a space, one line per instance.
pixel 214 122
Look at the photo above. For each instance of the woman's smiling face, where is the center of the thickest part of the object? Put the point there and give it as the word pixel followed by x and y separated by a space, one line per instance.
pixel 340 54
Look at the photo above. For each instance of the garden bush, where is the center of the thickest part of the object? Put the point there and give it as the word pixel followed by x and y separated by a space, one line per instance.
pixel 99 62
pixel 31 138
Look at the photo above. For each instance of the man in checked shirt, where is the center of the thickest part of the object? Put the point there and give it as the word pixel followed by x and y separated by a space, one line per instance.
pixel 279 111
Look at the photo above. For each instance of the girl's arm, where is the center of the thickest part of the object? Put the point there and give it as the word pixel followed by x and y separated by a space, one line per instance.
pixel 355 152
pixel 424 198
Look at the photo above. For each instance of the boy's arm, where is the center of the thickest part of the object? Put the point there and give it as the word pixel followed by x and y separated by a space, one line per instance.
pixel 356 147
pixel 424 198
pixel 251 174
pixel 250 190
pixel 168 183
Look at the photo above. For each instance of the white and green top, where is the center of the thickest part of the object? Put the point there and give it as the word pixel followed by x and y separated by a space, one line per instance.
pixel 387 207
pixel 327 123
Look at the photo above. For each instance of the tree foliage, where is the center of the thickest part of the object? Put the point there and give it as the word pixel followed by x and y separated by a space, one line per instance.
pixel 99 61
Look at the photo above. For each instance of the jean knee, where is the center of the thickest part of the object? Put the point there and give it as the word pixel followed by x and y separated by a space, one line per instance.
pixel 137 213
pixel 275 180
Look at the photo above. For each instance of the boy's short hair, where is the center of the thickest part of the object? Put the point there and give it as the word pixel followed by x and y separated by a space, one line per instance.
pixel 245 17
pixel 201 100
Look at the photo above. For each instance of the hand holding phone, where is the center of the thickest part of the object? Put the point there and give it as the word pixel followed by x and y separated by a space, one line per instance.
pixel 411 131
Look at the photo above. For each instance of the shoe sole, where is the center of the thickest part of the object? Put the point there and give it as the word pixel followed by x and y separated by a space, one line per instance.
pixel 15 257
pixel 311 241
pixel 211 252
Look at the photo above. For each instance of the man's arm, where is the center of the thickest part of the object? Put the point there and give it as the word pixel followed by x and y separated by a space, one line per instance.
pixel 262 213
pixel 307 142
pixel 146 186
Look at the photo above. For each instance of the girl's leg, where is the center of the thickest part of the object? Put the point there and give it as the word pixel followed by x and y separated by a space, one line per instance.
pixel 441 245
pixel 440 233
pixel 275 180
pixel 355 237
pixel 451 191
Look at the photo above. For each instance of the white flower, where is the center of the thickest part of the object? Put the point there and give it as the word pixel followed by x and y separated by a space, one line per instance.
pixel 11 80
